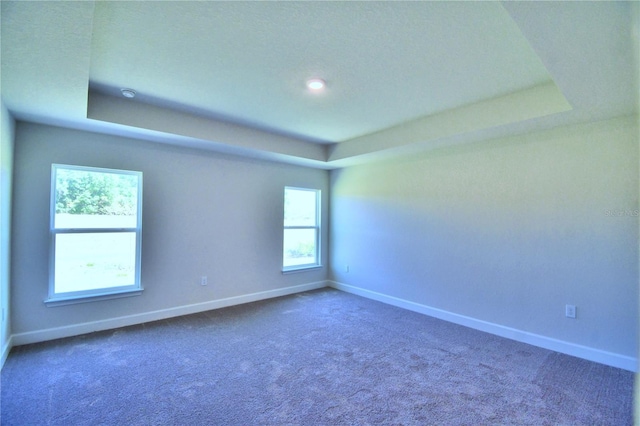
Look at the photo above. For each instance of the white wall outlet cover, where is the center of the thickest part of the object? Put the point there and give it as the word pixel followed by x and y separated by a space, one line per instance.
pixel 570 311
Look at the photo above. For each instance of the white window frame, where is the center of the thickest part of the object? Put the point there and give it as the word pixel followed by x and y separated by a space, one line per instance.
pixel 317 227
pixel 65 298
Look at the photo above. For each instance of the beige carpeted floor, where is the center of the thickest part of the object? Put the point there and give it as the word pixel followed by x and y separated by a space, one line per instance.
pixel 317 358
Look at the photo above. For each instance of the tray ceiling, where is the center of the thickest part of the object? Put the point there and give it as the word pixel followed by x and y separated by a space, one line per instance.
pixel 230 76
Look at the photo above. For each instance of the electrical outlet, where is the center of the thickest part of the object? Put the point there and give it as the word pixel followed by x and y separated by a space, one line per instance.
pixel 570 311
pixel 203 280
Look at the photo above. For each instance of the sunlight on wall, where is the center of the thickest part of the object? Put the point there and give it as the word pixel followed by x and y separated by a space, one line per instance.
pixel 525 225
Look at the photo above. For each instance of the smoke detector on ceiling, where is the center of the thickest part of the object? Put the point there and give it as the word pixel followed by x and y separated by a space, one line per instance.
pixel 128 93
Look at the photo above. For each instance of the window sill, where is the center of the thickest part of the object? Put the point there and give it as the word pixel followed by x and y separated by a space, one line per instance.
pixel 72 300
pixel 304 268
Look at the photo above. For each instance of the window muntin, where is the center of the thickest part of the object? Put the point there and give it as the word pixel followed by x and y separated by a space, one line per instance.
pixel 301 237
pixel 96 227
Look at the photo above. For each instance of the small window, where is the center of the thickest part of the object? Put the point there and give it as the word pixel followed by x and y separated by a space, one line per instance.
pixel 301 248
pixel 96 229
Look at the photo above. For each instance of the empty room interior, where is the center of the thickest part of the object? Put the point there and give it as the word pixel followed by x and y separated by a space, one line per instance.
pixel 338 204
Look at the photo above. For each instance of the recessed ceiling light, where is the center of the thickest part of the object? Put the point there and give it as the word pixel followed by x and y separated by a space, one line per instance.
pixel 128 93
pixel 316 84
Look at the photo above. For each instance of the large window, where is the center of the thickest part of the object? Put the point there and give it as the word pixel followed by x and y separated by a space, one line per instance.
pixel 301 248
pixel 96 226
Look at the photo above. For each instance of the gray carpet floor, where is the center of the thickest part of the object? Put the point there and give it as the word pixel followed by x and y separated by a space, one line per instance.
pixel 319 358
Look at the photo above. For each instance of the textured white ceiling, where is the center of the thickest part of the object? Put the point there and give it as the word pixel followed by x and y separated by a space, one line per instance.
pixel 385 62
pixel 45 57
pixel 402 76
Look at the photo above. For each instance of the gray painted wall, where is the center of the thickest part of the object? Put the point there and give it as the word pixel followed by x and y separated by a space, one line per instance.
pixel 6 175
pixel 635 36
pixel 204 214
pixel 506 231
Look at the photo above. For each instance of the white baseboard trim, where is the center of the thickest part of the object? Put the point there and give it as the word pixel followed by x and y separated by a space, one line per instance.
pixel 111 323
pixel 5 351
pixel 591 354
pixel 584 352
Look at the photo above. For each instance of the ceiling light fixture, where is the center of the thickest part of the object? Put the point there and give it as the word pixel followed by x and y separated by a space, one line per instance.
pixel 316 84
pixel 128 93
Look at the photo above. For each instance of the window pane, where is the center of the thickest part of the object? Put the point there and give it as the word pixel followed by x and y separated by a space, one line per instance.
pixel 299 207
pixel 90 199
pixel 299 247
pixel 94 261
